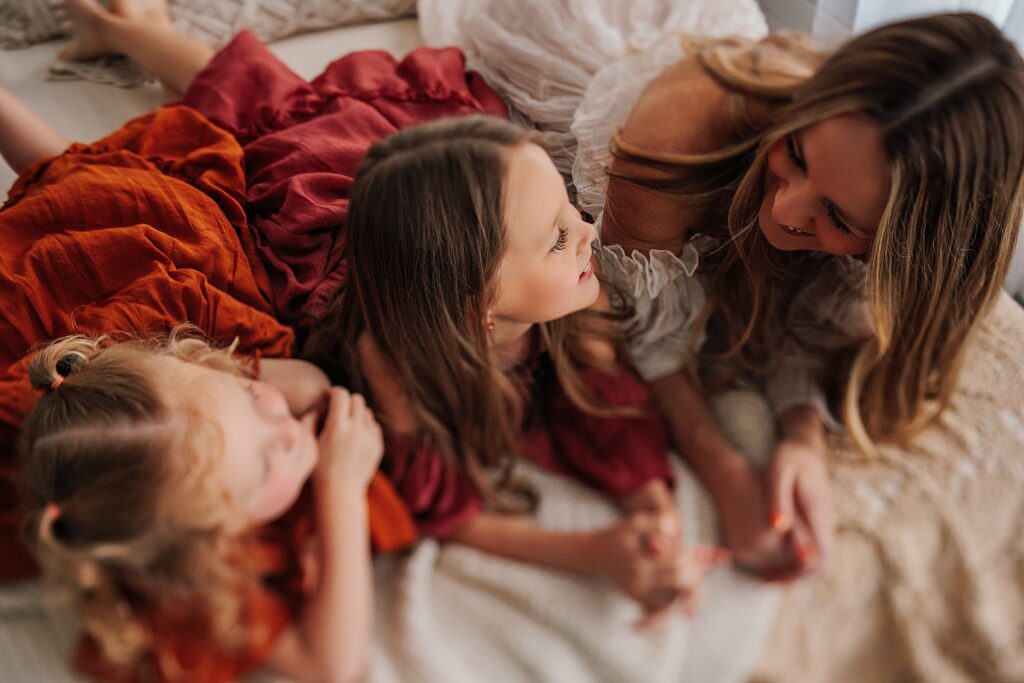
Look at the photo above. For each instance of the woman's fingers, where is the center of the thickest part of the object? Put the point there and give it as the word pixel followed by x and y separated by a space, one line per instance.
pixel 814 506
pixel 780 497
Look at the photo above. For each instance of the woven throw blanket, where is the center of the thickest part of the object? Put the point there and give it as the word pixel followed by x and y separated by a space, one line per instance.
pixel 213 22
pixel 927 580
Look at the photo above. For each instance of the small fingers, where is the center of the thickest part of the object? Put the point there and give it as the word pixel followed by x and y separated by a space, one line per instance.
pixel 357 405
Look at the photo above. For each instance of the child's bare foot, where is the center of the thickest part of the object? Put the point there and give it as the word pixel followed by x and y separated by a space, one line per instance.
pixel 91 35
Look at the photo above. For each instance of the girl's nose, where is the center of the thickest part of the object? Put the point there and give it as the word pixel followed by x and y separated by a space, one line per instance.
pixel 587 235
pixel 792 205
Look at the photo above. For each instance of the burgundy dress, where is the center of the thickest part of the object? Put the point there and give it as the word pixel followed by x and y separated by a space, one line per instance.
pixel 303 142
pixel 614 455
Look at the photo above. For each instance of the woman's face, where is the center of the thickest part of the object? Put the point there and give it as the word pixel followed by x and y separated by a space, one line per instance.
pixel 826 187
pixel 267 454
pixel 546 271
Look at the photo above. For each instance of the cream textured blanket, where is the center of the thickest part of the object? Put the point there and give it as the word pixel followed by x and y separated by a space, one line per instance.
pixel 927 583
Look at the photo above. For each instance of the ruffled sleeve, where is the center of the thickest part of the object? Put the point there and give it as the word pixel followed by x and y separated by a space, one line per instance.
pixel 440 496
pixel 613 454
pixel 666 298
pixel 827 316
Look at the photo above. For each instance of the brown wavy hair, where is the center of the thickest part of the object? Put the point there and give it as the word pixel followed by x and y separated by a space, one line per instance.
pixel 116 509
pixel 426 235
pixel 947 91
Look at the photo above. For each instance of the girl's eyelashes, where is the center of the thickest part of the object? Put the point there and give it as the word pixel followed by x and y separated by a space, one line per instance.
pixel 832 216
pixel 563 237
pixel 794 156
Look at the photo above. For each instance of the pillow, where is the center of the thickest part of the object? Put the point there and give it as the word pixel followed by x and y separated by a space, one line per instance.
pixel 213 22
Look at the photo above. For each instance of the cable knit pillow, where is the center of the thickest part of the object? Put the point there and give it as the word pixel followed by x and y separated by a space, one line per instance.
pixel 27 22
pixel 214 22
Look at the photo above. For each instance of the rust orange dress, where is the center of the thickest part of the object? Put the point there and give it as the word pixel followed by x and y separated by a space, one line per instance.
pixel 135 233
pixel 183 649
pixel 227 213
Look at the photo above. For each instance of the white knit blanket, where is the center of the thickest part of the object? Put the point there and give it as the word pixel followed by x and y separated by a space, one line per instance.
pixel 448 613
pixel 213 22
pixel 454 615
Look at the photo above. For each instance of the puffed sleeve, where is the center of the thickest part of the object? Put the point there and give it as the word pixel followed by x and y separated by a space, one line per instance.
pixel 666 299
pixel 440 496
pixel 615 454
pixel 828 315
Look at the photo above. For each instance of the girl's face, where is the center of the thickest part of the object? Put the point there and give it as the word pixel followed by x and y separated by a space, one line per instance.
pixel 546 272
pixel 827 186
pixel 267 454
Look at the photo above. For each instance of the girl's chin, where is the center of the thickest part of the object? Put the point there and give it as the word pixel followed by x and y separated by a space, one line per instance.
pixel 592 289
pixel 771 233
pixel 774 233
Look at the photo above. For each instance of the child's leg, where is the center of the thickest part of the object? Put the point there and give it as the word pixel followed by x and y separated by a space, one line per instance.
pixel 24 137
pixel 141 30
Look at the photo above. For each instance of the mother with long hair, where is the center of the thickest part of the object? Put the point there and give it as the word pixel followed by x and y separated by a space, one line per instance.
pixel 836 224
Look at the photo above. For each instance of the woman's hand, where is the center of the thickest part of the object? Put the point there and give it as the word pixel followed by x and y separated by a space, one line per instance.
pixel 801 503
pixel 746 524
pixel 351 443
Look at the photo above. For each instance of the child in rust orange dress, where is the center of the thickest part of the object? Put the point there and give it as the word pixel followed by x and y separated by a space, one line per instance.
pixel 220 212
pixel 205 521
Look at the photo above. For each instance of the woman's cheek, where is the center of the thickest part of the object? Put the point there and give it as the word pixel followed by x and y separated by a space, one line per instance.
pixel 844 245
pixel 775 158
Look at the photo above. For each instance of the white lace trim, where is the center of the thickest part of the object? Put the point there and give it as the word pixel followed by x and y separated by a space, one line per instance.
pixel 647 273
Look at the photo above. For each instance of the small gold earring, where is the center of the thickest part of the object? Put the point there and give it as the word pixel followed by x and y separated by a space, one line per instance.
pixel 490 323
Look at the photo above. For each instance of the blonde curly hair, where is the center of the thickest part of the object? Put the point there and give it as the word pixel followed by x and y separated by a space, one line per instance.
pixel 117 511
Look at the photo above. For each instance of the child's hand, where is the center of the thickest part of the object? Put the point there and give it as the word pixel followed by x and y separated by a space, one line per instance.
pixel 656 498
pixel 351 443
pixel 801 504
pixel 643 557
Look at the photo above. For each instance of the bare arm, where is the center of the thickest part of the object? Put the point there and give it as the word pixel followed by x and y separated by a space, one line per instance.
pixel 801 496
pixel 24 137
pixel 142 31
pixel 636 555
pixel 303 384
pixel 519 538
pixel 697 434
pixel 337 623
pixel 333 638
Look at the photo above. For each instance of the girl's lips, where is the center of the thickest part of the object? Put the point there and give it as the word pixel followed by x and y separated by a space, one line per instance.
pixel 587 272
pixel 794 232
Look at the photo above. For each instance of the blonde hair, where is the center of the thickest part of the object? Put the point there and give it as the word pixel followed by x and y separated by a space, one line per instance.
pixel 947 92
pixel 117 514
